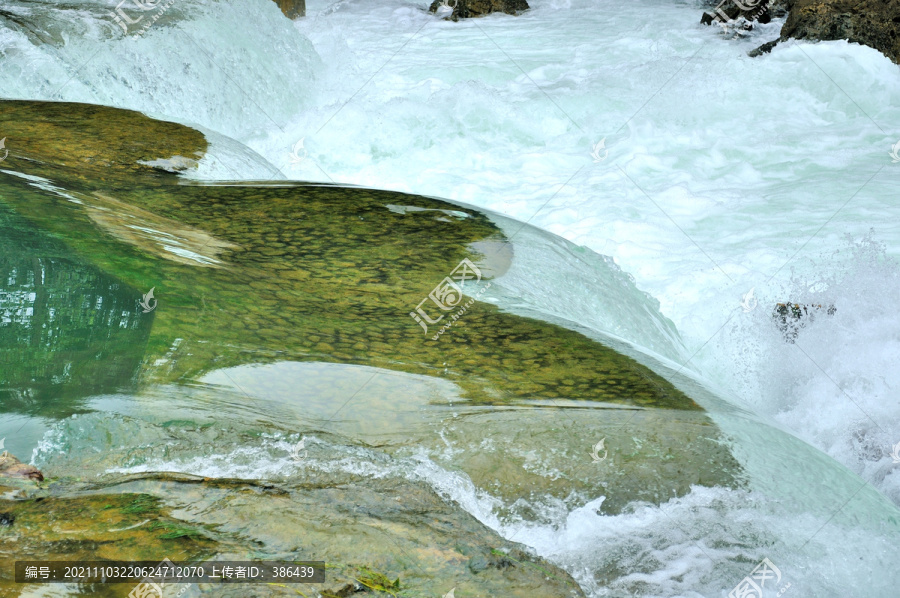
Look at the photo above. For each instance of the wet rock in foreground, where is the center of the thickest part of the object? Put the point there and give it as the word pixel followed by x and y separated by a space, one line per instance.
pixel 11 467
pixel 374 535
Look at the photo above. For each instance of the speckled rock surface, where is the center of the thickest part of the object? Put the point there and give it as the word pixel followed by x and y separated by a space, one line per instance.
pixel 286 273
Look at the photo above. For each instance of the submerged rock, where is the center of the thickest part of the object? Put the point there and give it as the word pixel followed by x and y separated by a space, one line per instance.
pixel 11 467
pixel 465 9
pixel 332 275
pixel 763 49
pixel 286 285
pixel 312 279
pixel 393 536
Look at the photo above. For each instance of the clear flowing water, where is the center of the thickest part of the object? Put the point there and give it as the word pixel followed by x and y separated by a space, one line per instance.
pixel 718 174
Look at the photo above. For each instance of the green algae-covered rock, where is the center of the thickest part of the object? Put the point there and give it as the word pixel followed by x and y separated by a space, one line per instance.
pixel 262 276
pixel 307 271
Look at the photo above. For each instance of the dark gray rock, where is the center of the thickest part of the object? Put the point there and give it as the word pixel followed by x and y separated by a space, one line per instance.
pixel 873 23
pixel 465 9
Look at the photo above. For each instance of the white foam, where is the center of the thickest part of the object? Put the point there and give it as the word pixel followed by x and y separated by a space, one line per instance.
pixel 837 386
pixel 720 169
pixel 701 544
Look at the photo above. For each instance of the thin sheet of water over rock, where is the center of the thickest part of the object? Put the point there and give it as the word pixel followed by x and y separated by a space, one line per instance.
pixel 295 371
pixel 300 372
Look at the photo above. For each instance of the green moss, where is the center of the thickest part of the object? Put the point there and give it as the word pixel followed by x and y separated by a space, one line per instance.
pixel 378 581
pixel 98 527
pixel 341 290
pixel 173 531
pixel 142 504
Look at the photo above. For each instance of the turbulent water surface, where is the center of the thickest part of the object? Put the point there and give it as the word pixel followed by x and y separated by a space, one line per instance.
pixel 683 175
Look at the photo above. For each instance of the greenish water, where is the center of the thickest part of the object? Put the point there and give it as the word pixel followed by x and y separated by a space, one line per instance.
pixel 283 313
pixel 450 116
pixel 68 330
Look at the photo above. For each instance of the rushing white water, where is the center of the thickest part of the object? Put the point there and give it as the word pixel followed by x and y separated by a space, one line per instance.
pixel 837 386
pixel 718 174
pixel 696 545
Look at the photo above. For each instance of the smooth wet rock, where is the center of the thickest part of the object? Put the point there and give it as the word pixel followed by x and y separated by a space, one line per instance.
pixel 344 307
pixel 104 149
pixel 11 467
pixel 397 535
pixel 358 268
pixel 465 9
